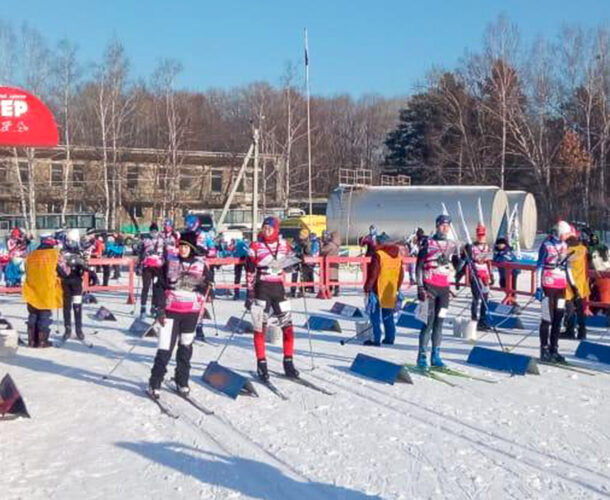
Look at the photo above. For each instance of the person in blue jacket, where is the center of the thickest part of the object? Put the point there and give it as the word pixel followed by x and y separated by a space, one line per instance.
pixel 240 249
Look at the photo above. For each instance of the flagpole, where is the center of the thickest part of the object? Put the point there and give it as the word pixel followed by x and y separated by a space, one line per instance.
pixel 308 121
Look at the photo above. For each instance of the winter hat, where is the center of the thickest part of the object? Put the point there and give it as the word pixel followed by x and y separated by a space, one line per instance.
pixel 274 223
pixel 153 227
pixel 73 235
pixel 189 238
pixel 443 219
pixel 192 222
pixel 562 228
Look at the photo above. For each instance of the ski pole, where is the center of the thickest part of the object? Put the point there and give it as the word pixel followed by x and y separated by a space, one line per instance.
pixel 136 295
pixel 233 331
pixel 124 357
pixel 359 334
pixel 307 320
pixel 214 312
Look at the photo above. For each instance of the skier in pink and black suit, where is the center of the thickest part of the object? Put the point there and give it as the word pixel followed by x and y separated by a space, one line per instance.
pixel 552 278
pixel 266 295
pixel 182 283
pixel 434 275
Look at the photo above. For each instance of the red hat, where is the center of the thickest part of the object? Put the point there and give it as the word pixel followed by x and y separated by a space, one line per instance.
pixel 481 230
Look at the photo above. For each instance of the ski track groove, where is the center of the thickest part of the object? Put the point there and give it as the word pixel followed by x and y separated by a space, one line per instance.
pixel 253 445
pixel 506 452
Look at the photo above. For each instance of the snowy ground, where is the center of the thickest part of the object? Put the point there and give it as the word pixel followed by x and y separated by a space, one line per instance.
pixel 544 436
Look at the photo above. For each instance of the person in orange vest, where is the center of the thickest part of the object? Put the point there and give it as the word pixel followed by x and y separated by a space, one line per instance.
pixel 578 291
pixel 42 291
pixel 382 286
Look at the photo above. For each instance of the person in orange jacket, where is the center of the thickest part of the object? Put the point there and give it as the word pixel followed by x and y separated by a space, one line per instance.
pixel 382 287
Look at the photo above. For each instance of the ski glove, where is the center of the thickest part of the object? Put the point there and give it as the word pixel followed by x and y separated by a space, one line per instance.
pixel 249 300
pixel 539 294
pixel 421 293
pixel 372 303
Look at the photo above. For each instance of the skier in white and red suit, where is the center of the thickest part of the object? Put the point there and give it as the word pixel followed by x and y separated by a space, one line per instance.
pixel 182 282
pixel 266 298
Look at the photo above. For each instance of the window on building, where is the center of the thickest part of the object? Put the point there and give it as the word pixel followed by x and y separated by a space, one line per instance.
pixel 3 206
pixel 79 206
pixel 57 174
pixel 240 186
pixel 216 184
pixel 3 173
pixel 133 175
pixel 187 179
pixel 78 175
pixel 24 173
pixel 162 172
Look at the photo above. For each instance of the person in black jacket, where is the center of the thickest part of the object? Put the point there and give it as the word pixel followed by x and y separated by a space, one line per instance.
pixel 71 267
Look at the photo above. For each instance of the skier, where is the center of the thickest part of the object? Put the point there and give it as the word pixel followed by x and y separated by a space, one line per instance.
pixel 169 236
pixel 71 268
pixel 239 250
pixel 433 273
pixel 382 288
pixel 42 291
pixel 181 300
pixel 479 254
pixel 413 243
pixel 150 260
pixel 503 252
pixel 17 244
pixel 552 279
pixel 265 278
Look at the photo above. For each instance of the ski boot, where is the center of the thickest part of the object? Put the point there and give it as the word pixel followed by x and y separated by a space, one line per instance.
pixel 436 358
pixel 199 335
pixel 236 295
pixel 67 334
pixel 545 354
pixel 183 390
pixel 371 342
pixel 582 334
pixel 154 392
pixel 483 326
pixel 261 370
pixel 557 358
pixel 79 334
pixel 143 313
pixel 289 370
pixel 422 360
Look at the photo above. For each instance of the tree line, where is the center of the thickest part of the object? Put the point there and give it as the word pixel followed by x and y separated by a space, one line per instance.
pixel 522 116
pixel 532 117
pixel 101 104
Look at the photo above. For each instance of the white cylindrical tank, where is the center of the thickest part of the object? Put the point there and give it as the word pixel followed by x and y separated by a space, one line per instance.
pixel 527 213
pixel 400 210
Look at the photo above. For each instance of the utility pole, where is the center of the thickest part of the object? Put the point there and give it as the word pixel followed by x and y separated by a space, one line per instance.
pixel 255 187
pixel 308 121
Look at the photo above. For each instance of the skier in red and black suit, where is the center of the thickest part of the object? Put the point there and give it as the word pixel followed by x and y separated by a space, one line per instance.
pixel 480 254
pixel 265 279
pixel 183 280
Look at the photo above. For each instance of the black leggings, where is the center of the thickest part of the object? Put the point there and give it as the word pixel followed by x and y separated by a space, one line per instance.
pixel 554 295
pixel 148 275
pixel 438 298
pixel 183 324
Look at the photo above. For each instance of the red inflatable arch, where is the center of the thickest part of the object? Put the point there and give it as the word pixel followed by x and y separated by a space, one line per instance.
pixel 25 120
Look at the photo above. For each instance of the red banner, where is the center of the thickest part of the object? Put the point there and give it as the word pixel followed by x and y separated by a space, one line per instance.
pixel 25 120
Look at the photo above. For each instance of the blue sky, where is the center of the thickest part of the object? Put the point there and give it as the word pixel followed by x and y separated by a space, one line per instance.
pixel 356 46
